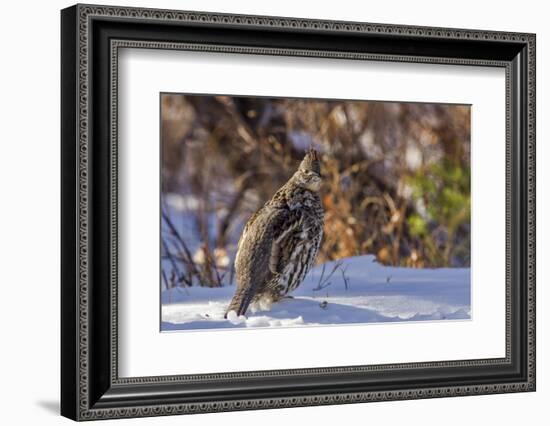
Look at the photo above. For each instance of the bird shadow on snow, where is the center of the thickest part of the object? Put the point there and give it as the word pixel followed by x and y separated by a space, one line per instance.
pixel 284 313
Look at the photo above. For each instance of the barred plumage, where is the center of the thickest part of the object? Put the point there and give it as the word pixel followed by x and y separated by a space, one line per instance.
pixel 280 241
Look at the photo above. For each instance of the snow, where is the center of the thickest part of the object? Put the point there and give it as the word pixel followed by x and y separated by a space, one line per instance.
pixel 354 290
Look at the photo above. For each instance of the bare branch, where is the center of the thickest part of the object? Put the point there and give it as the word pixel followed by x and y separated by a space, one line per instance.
pixel 323 283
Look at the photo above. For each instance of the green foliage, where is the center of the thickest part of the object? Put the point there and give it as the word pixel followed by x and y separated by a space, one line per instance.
pixel 417 225
pixel 443 191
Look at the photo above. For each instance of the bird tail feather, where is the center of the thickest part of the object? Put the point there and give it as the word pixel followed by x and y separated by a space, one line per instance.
pixel 240 303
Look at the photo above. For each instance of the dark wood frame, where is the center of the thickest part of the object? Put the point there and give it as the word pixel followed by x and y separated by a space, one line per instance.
pixel 91 37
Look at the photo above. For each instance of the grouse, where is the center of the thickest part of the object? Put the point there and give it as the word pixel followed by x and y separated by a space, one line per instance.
pixel 280 241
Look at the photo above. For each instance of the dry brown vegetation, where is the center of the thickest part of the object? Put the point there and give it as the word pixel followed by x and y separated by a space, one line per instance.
pixel 396 176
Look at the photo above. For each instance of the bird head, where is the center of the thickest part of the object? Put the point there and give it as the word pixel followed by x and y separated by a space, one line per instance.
pixel 309 173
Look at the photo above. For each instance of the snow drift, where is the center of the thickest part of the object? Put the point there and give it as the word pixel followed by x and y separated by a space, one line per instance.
pixel 349 291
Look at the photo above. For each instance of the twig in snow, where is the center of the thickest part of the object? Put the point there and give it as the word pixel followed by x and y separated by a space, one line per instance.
pixel 182 244
pixel 206 271
pixel 323 283
pixel 322 274
pixel 181 277
pixel 344 277
pixel 166 283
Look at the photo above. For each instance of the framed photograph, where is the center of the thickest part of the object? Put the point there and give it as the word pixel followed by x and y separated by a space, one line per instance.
pixel 263 212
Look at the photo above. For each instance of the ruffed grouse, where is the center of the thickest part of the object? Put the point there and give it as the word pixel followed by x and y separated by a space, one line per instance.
pixel 280 241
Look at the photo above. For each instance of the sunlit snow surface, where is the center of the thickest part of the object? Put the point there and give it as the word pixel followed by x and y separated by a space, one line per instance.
pixel 366 292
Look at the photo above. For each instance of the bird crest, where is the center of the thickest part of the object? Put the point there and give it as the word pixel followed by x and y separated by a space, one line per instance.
pixel 311 162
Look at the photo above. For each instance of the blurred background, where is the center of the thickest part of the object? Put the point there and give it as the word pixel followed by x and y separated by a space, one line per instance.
pixel 396 179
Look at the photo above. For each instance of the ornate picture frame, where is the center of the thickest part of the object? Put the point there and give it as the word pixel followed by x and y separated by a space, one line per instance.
pixel 91 38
